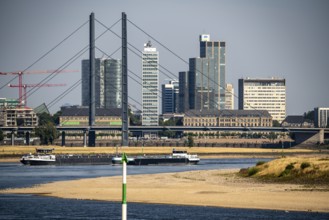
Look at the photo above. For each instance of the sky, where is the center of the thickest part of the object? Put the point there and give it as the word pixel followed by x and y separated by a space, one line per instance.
pixel 281 38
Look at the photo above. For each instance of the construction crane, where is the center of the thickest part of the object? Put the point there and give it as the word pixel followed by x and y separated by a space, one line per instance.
pixel 25 86
pixel 20 78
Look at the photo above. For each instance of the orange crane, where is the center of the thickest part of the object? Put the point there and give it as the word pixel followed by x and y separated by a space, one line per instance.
pixel 20 78
pixel 25 86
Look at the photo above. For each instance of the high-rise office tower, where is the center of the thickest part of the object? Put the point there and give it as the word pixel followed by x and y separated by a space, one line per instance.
pixel 107 83
pixel 229 97
pixel 183 97
pixel 112 81
pixel 170 97
pixel 264 94
pixel 207 76
pixel 150 90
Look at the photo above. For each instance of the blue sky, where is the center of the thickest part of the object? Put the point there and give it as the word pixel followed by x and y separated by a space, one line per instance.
pixel 283 38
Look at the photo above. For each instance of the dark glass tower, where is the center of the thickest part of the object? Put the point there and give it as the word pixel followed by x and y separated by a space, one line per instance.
pixel 207 76
pixel 170 97
pixel 107 83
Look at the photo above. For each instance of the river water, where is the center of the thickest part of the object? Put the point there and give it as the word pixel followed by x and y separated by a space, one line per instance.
pixel 13 175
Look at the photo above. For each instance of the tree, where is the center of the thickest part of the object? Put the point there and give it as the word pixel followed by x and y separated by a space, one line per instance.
pixel 272 136
pixel 1 135
pixel 170 122
pixel 44 118
pixel 47 133
pixel 190 141
pixel 134 119
pixel 55 117
pixel 309 115
pixel 275 123
pixel 46 129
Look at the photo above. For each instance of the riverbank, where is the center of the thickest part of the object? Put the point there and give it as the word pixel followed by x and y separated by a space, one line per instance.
pixel 11 154
pixel 219 188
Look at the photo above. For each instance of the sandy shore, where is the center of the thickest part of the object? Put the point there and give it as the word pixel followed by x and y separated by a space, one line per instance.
pixel 221 188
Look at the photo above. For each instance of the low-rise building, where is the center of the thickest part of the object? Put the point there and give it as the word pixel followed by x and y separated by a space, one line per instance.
pixel 228 118
pixel 79 116
pixel 22 117
pixel 297 121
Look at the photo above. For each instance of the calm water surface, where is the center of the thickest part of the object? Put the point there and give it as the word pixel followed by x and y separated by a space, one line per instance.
pixel 35 207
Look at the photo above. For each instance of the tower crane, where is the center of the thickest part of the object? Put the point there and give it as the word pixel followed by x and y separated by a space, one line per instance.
pixel 25 86
pixel 20 78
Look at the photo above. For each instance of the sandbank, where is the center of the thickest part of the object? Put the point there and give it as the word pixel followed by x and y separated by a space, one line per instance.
pixel 219 188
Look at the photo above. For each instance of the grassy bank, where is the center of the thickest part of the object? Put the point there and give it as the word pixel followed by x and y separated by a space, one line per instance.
pixel 301 170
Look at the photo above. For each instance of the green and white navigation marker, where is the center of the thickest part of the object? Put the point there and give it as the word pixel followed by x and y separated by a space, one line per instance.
pixel 124 186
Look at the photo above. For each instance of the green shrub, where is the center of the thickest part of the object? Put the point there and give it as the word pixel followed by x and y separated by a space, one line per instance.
pixel 287 171
pixel 252 171
pixel 260 163
pixel 290 167
pixel 305 165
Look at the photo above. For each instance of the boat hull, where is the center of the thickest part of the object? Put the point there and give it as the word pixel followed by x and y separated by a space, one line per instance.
pixel 84 159
pixel 42 162
pixel 163 161
pixel 38 159
pixel 118 161
pixel 142 161
pixel 25 161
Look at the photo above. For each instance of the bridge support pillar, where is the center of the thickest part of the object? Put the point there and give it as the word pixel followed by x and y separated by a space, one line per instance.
pixel 124 84
pixel 27 138
pixel 12 138
pixel 91 138
pixel 92 104
pixel 321 136
pixel 84 138
pixel 63 138
pixel 306 138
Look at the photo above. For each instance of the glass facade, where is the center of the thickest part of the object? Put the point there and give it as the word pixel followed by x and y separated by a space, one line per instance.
pixel 112 81
pixel 107 83
pixel 207 76
pixel 170 97
pixel 183 92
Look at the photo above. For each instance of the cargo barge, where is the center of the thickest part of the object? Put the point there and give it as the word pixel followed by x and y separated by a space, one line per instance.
pixel 98 159
pixel 44 156
pixel 176 158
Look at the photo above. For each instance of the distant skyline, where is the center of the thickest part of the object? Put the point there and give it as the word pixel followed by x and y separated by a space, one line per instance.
pixel 282 38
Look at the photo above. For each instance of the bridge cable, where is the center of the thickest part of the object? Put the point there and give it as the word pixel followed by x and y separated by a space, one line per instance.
pixel 236 96
pixel 44 55
pixel 54 73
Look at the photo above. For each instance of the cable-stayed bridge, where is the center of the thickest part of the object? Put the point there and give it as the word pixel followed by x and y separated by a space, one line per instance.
pixel 125 128
pixel 301 134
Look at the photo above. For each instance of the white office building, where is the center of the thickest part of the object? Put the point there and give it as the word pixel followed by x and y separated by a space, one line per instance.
pixel 150 91
pixel 264 94
pixel 229 96
pixel 321 117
